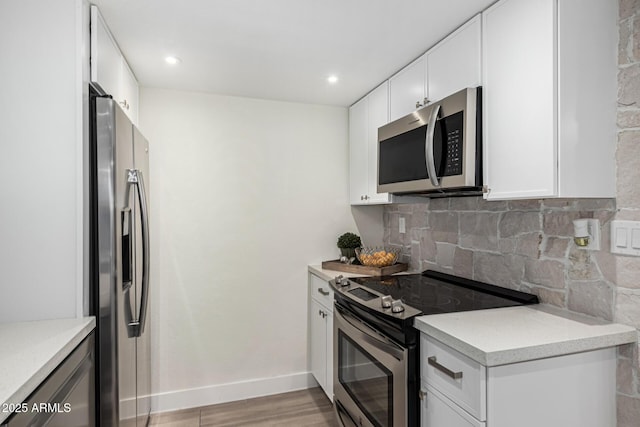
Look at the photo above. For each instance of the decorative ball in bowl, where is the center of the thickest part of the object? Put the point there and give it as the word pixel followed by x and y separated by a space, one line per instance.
pixel 377 257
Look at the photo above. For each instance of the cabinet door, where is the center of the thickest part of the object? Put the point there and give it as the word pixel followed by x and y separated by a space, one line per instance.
pixel 519 85
pixel 407 88
pixel 437 410
pixel 455 63
pixel 329 355
pixel 105 56
pixel 358 154
pixel 318 343
pixel 129 101
pixel 378 116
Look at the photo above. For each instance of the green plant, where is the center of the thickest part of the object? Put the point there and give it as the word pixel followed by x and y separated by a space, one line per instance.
pixel 349 240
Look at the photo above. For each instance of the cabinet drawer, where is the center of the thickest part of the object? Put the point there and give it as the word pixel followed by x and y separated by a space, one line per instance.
pixel 454 375
pixel 320 291
pixel 437 410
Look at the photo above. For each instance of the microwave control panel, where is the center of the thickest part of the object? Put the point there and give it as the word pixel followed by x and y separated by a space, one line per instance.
pixel 452 129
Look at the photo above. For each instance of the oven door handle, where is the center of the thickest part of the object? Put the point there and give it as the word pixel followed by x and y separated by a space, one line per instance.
pixel 371 336
pixel 430 156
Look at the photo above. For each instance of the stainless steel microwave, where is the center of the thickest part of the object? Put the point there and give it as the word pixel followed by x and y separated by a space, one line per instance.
pixel 436 150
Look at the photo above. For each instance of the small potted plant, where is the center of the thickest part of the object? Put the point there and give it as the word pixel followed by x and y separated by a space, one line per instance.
pixel 348 243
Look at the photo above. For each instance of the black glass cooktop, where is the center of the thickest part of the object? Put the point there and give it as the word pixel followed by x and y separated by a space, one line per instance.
pixel 433 292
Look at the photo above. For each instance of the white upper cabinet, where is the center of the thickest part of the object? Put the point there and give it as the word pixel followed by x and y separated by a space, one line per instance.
pixel 110 69
pixel 378 116
pixel 451 65
pixel 105 56
pixel 455 63
pixel 407 89
pixel 549 88
pixel 358 152
pixel 365 117
pixel 129 92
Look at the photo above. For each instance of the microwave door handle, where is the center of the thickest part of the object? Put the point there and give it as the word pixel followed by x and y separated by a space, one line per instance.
pixel 429 142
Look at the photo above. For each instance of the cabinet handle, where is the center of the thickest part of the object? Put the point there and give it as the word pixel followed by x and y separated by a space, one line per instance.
pixel 448 372
pixel 323 292
pixel 421 394
pixel 425 101
pixel 124 104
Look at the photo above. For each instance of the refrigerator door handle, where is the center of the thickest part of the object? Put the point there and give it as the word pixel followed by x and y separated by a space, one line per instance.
pixel 134 177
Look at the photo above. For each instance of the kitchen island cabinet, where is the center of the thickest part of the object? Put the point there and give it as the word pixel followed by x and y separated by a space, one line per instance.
pixel 549 104
pixel 519 366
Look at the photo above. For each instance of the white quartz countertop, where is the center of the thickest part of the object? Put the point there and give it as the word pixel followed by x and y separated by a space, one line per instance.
pixel 30 351
pixel 515 334
pixel 327 275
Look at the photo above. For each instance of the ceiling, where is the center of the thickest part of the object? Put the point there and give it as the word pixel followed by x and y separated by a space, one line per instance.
pixel 279 49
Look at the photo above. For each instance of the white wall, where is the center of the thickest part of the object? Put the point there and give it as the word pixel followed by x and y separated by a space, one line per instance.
pixel 244 194
pixel 41 159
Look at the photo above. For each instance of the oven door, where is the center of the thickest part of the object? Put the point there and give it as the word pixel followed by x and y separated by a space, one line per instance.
pixel 370 375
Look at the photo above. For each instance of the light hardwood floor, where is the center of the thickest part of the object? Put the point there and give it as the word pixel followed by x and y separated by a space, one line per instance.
pixel 298 408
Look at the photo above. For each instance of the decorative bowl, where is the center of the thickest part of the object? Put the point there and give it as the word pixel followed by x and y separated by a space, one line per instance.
pixel 377 257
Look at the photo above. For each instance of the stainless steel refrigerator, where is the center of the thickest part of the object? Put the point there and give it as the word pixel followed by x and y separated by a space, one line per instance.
pixel 120 264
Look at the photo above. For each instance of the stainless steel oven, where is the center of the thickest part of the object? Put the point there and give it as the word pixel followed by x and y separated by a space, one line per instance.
pixel 370 375
pixel 375 345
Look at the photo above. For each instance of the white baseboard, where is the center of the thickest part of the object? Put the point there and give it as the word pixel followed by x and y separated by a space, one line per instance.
pixel 221 393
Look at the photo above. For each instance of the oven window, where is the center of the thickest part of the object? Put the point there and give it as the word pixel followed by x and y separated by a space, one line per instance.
pixel 367 381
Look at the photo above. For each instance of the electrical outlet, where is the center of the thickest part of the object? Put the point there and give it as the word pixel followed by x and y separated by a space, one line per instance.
pixel 402 226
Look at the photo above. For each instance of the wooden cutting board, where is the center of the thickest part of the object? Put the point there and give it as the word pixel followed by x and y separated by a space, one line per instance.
pixel 364 269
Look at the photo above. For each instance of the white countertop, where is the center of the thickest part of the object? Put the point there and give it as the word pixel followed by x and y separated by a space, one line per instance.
pixel 30 351
pixel 327 275
pixel 515 334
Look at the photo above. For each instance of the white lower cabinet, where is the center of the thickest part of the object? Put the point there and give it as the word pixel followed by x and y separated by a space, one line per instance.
pixel 437 410
pixel 321 333
pixel 574 390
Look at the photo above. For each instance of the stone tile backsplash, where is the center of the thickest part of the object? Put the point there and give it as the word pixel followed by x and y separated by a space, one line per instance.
pixel 524 245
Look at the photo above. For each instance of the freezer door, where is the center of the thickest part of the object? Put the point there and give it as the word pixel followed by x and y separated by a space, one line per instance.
pixel 125 288
pixel 142 282
pixel 114 293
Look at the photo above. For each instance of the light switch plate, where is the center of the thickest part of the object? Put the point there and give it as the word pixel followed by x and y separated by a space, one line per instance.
pixel 625 237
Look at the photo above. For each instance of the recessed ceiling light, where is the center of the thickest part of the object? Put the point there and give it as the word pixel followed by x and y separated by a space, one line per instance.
pixel 332 79
pixel 172 60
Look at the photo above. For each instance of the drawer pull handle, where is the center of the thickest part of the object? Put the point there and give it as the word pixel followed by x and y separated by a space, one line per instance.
pixel 323 292
pixel 448 372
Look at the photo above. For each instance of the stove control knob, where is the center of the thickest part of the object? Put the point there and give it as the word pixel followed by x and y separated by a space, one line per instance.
pixel 341 281
pixel 386 301
pixel 396 306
